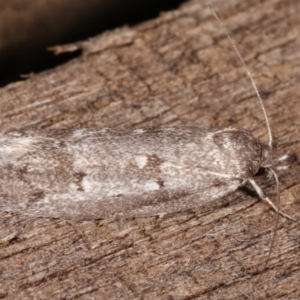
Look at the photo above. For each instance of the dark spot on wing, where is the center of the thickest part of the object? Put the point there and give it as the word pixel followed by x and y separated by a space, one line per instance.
pixel 154 161
pixel 36 196
pixel 78 180
pixel 160 182
pixel 21 172
pixel 216 182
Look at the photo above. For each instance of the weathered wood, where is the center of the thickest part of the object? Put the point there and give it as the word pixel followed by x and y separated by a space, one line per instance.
pixel 176 69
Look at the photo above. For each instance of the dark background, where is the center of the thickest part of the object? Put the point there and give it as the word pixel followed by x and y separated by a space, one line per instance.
pixel 28 27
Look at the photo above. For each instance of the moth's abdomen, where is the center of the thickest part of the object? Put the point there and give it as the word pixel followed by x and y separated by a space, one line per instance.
pixel 85 174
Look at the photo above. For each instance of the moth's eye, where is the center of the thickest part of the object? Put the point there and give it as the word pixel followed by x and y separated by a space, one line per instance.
pixel 260 171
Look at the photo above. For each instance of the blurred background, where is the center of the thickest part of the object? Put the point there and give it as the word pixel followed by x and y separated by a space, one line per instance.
pixel 29 27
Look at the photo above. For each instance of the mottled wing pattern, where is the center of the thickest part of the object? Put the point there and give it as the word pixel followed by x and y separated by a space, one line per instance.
pixel 121 173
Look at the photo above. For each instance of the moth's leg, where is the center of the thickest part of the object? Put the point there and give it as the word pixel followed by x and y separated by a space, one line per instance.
pixel 262 196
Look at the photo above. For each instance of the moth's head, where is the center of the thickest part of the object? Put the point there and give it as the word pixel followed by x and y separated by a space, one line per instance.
pixel 282 162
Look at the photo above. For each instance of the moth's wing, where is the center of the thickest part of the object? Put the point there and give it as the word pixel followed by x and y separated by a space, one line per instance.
pixel 164 202
pixel 109 174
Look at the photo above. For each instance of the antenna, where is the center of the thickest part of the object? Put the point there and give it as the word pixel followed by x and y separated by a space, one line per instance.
pixel 258 190
pixel 249 75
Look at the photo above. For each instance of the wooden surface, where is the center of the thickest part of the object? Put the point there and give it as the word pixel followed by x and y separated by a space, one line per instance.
pixel 176 69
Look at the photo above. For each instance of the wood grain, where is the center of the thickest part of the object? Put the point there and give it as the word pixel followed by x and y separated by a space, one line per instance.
pixel 176 69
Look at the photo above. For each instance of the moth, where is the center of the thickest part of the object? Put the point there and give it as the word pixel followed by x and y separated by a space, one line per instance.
pixel 120 173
